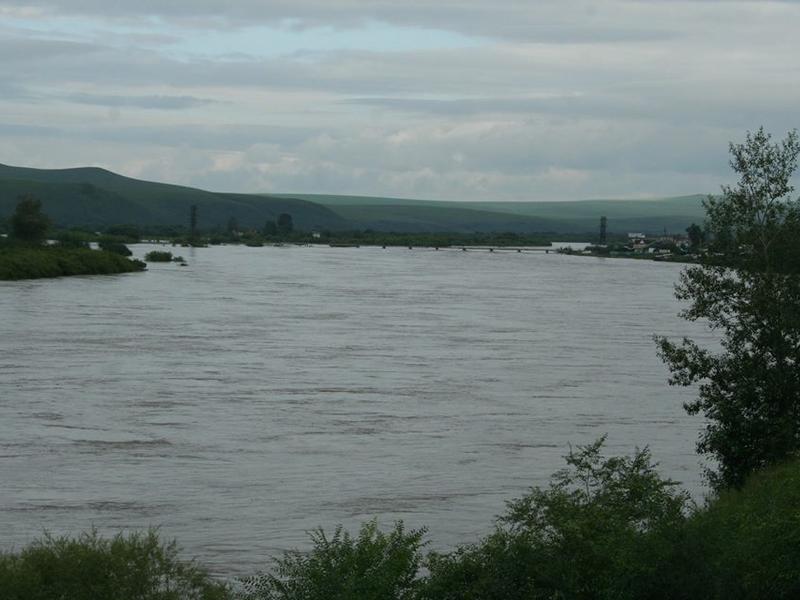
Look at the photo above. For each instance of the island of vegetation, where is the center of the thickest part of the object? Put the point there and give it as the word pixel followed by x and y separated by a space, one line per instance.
pixel 26 255
pixel 605 527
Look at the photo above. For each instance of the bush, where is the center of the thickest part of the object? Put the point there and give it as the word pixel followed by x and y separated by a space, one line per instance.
pixel 373 566
pixel 602 529
pixel 116 248
pixel 73 239
pixel 158 256
pixel 745 543
pixel 20 262
pixel 136 566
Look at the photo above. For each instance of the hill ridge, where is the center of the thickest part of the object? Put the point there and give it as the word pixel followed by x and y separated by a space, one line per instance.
pixel 94 196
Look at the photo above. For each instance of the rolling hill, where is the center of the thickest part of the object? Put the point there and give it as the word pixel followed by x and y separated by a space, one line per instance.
pixel 96 197
pixel 651 215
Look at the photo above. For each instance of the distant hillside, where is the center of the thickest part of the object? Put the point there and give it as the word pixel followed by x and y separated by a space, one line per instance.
pixel 653 215
pixel 96 197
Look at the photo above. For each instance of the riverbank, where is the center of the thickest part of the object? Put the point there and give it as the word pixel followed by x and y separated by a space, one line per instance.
pixel 27 262
pixel 656 257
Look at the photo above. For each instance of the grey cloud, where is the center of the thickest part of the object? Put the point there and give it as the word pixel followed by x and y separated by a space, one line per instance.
pixel 22 50
pixel 544 21
pixel 13 129
pixel 194 135
pixel 149 102
pixel 553 111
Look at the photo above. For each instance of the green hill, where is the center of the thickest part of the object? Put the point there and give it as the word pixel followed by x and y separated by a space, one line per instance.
pixel 652 215
pixel 96 197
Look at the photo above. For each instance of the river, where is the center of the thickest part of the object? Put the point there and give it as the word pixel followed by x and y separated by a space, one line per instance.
pixel 260 392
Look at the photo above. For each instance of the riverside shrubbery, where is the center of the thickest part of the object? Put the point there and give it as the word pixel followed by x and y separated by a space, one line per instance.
pixel 138 566
pixel 604 528
pixel 158 256
pixel 32 262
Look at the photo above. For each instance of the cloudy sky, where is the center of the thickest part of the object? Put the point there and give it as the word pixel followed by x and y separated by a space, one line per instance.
pixel 440 99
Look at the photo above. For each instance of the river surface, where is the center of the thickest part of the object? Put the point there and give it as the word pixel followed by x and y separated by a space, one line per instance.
pixel 261 392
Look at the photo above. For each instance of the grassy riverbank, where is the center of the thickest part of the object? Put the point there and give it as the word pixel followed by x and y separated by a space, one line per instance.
pixel 34 262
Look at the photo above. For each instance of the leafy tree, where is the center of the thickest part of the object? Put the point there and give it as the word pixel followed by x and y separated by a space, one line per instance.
pixel 285 224
pixel 696 235
pixel 127 233
pixel 749 391
pixel 270 228
pixel 233 226
pixel 193 221
pixel 372 566
pixel 29 223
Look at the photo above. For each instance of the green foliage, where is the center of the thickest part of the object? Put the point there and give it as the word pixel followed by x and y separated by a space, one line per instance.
pixel 372 566
pixel 749 391
pixel 696 235
pixel 74 239
pixel 158 256
pixel 138 566
pixel 745 543
pixel 130 234
pixel 116 248
pixel 19 262
pixel 597 531
pixel 285 224
pixel 270 228
pixel 29 223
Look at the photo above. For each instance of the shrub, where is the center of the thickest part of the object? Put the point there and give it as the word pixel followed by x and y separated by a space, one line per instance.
pixel 138 566
pixel 601 529
pixel 116 248
pixel 372 566
pixel 745 543
pixel 158 256
pixel 73 239
pixel 20 262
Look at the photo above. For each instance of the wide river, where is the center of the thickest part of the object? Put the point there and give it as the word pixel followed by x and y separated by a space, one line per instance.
pixel 261 392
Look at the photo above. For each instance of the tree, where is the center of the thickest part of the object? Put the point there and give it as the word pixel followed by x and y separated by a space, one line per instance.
pixel 603 228
pixel 233 226
pixel 749 295
pixel 270 228
pixel 29 223
pixel 696 235
pixel 193 221
pixel 285 224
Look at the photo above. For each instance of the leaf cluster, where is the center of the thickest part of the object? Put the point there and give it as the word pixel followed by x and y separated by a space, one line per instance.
pixel 371 566
pixel 749 296
pixel 134 567
pixel 600 529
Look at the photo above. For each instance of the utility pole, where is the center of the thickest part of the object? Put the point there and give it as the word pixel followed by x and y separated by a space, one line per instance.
pixel 603 228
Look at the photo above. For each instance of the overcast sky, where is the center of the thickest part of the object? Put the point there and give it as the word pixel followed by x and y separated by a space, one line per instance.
pixel 440 99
